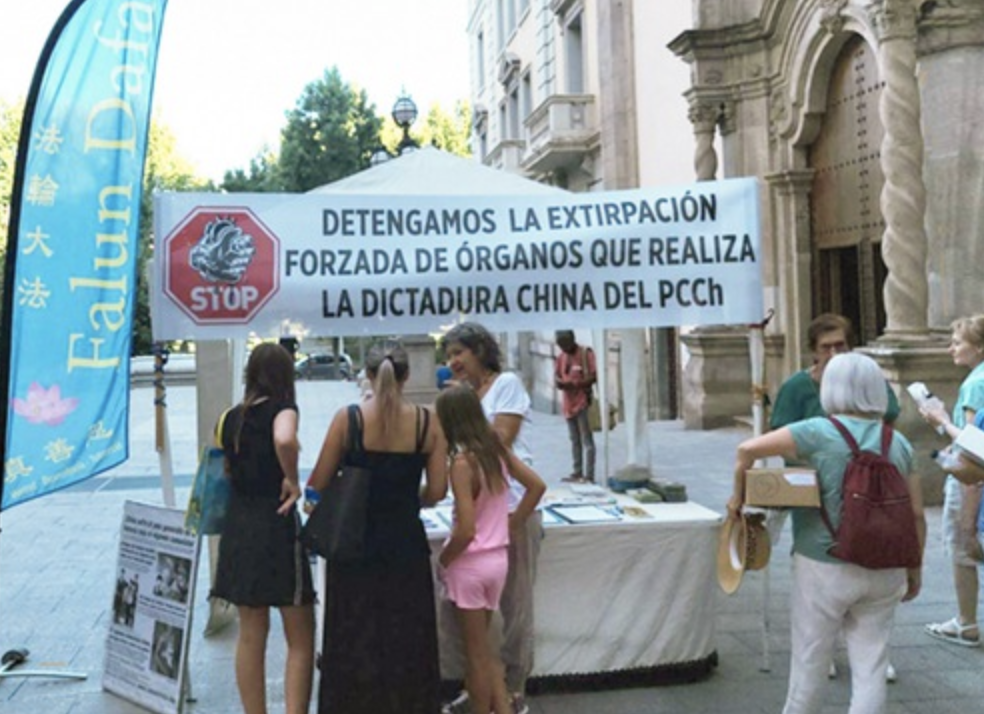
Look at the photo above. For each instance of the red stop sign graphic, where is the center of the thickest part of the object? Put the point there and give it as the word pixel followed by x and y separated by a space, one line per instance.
pixel 221 265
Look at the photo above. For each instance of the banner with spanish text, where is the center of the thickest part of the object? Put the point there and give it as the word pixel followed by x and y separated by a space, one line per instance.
pixel 333 264
pixel 70 278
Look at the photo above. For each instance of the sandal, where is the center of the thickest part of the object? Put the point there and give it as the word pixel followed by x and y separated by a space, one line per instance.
pixel 573 478
pixel 952 631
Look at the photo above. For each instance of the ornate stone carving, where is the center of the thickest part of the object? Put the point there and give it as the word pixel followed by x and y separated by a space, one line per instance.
pixel 480 117
pixel 713 77
pixel 893 19
pixel 704 115
pixel 831 15
pixel 509 68
pixel 778 113
pixel 903 198
pixel 950 23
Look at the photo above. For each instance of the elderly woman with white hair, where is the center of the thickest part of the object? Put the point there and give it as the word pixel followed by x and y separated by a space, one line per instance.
pixel 830 595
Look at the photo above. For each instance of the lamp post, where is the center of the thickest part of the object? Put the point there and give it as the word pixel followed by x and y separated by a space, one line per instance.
pixel 405 114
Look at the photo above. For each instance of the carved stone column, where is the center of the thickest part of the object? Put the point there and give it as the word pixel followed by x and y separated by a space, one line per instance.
pixel 903 199
pixel 705 117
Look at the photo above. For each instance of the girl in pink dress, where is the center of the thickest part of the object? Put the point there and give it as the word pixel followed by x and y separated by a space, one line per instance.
pixel 474 560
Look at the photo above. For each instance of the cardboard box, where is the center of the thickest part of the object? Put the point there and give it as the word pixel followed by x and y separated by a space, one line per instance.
pixel 971 444
pixel 781 488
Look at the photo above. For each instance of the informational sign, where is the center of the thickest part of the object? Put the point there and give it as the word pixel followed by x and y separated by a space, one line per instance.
pixel 153 597
pixel 229 265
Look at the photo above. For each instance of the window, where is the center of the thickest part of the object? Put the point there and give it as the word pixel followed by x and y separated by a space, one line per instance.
pixel 480 58
pixel 514 114
pixel 500 17
pixel 526 96
pixel 574 56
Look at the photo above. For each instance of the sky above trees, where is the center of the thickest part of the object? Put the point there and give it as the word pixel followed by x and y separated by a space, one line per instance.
pixel 229 71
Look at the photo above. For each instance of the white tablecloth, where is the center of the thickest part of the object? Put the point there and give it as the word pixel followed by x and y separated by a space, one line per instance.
pixel 619 596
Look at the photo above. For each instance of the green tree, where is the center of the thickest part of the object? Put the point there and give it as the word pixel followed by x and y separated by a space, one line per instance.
pixel 329 135
pixel 449 131
pixel 164 170
pixel 262 176
pixel 10 124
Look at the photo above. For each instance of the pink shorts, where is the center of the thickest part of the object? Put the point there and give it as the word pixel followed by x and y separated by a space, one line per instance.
pixel 474 581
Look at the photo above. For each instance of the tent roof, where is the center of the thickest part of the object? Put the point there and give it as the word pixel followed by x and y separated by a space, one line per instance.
pixel 430 171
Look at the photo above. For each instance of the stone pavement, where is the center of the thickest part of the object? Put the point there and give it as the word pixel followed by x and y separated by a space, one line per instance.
pixel 58 557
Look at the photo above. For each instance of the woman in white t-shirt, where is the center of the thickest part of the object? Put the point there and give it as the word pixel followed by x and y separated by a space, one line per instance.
pixel 473 355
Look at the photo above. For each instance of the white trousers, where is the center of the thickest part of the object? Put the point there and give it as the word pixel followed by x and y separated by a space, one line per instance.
pixel 828 598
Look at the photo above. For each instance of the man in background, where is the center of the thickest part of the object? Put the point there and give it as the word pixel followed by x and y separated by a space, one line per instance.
pixel 574 375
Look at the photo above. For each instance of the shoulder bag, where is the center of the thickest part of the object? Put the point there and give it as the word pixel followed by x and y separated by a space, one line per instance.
pixel 208 502
pixel 336 528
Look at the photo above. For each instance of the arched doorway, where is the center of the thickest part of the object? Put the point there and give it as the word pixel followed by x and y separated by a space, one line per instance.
pixel 848 271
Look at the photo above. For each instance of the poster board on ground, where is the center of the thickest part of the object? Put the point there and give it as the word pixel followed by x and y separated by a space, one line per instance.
pixel 153 598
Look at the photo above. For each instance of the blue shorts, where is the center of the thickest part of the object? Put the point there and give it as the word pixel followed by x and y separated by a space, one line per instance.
pixel 474 581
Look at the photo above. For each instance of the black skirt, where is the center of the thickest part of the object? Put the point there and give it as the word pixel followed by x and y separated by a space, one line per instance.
pixel 261 560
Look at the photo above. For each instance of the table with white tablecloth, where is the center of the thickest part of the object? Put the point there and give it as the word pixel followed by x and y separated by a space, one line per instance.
pixel 629 597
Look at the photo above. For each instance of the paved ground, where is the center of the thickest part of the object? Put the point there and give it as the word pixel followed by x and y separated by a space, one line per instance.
pixel 58 554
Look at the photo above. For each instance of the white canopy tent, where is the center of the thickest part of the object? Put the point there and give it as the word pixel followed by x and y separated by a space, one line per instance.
pixel 430 171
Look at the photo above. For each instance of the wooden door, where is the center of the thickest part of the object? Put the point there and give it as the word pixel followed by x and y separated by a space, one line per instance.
pixel 847 225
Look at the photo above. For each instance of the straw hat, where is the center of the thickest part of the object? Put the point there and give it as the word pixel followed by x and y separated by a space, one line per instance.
pixel 743 544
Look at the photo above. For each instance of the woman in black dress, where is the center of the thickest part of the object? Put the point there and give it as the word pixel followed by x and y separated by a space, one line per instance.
pixel 261 561
pixel 379 654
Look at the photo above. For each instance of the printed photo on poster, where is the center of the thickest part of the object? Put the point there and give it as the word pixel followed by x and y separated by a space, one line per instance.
pixel 166 650
pixel 173 577
pixel 153 598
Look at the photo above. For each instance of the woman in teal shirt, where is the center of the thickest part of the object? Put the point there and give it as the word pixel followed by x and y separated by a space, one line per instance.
pixel 830 595
pixel 960 501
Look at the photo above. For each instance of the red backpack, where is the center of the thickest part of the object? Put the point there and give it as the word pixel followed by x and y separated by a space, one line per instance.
pixel 877 526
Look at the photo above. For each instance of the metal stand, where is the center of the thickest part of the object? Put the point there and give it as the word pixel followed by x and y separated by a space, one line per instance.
pixel 756 354
pixel 16 657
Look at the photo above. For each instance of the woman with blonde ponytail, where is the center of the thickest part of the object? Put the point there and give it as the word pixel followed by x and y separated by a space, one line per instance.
pixel 379 653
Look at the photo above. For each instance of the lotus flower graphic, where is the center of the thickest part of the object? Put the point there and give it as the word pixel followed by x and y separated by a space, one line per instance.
pixel 44 406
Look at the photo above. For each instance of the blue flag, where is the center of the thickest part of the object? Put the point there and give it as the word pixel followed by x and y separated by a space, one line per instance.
pixel 71 277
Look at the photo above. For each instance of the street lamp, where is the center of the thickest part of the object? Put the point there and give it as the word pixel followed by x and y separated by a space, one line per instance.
pixel 404 114
pixel 380 156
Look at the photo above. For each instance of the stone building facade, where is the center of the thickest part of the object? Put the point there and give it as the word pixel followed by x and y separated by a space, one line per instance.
pixel 860 117
pixel 585 95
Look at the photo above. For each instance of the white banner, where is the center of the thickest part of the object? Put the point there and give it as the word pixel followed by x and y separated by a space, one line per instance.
pixel 147 644
pixel 228 265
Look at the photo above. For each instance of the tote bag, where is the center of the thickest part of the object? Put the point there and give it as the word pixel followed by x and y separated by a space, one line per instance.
pixel 209 499
pixel 336 528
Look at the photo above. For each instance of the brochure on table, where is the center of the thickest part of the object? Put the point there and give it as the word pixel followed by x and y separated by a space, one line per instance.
pixel 578 505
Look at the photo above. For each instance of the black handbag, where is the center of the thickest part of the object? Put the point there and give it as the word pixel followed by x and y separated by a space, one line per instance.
pixel 336 528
